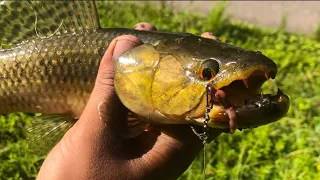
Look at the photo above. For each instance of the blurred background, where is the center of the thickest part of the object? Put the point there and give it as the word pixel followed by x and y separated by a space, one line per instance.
pixel 287 32
pixel 299 16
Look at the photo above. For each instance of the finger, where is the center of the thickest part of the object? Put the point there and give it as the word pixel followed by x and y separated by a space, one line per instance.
pixel 144 26
pixel 174 146
pixel 87 141
pixel 104 105
pixel 210 36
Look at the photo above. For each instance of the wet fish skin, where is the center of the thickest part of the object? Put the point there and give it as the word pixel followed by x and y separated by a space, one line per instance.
pixel 52 75
pixel 54 52
pixel 57 74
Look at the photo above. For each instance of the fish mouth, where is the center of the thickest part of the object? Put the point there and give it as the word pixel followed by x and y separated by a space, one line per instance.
pixel 241 104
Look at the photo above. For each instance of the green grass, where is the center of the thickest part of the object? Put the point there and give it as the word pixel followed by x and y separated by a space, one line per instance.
pixel 287 149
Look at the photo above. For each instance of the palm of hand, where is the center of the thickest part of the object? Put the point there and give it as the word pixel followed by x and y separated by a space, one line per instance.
pixel 94 148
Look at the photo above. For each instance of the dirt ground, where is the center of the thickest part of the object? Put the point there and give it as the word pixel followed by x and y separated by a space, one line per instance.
pixel 302 16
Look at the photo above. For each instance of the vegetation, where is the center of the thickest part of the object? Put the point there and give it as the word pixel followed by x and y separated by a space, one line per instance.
pixel 287 149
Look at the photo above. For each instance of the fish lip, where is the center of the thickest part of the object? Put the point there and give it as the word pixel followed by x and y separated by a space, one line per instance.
pixel 266 102
pixel 268 109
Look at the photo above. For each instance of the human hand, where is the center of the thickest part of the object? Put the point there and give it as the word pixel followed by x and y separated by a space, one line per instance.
pixel 94 148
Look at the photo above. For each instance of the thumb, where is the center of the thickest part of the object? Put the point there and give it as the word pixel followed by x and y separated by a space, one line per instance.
pixel 104 108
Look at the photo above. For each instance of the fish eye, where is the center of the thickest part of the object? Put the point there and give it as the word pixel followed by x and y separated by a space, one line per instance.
pixel 209 69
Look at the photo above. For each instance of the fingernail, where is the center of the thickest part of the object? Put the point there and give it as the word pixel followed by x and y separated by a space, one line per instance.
pixel 121 47
pixel 144 26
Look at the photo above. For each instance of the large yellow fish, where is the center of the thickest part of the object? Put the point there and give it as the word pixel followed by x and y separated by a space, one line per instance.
pixel 51 54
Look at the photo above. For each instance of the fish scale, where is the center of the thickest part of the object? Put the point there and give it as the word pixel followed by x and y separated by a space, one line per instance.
pixel 45 66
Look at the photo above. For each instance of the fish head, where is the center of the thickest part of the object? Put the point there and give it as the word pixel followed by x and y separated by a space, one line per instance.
pixel 167 83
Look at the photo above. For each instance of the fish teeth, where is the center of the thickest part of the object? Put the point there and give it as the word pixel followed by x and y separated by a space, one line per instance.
pixel 280 92
pixel 246 82
pixel 267 76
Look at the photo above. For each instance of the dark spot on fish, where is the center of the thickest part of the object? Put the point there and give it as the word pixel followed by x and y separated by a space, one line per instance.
pixel 11 17
pixel 51 11
pixel 53 27
pixel 85 78
pixel 65 60
pixel 245 102
pixel 18 64
pixel 29 34
pixel 142 25
pixel 3 25
pixel 30 19
pixel 65 3
pixel 24 10
pixel 64 79
pixel 10 38
pixel 41 62
pixel 15 4
pixel 4 7
pixel 178 40
pixel 42 78
pixel 57 20
pixel 45 30
pixel 63 15
pixel 61 5
pixel 101 51
pixel 17 27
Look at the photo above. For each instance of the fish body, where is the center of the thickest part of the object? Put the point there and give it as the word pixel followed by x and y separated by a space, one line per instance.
pixel 49 66
pixel 54 75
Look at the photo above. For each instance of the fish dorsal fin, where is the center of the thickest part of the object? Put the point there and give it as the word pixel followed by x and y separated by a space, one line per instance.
pixel 23 20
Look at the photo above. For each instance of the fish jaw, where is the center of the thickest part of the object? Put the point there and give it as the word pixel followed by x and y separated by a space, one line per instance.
pixel 261 111
pixel 242 103
pixel 242 65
